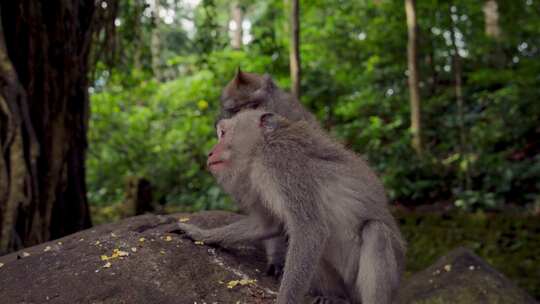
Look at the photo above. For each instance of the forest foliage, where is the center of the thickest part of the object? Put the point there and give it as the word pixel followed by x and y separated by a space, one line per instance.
pixel 152 114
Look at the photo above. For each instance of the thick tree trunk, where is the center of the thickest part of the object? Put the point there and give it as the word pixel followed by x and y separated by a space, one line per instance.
pixel 295 48
pixel 412 50
pixel 237 16
pixel 44 50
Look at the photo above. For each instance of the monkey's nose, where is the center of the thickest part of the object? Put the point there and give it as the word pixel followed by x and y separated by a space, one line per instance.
pixel 210 153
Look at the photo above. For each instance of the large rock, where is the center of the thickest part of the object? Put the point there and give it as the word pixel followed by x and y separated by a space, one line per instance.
pixel 166 268
pixel 162 268
pixel 461 277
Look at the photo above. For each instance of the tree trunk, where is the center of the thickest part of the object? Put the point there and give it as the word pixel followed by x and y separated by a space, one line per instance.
pixel 492 29
pixel 412 50
pixel 294 53
pixel 491 19
pixel 138 198
pixel 155 43
pixel 238 18
pixel 44 50
pixel 465 177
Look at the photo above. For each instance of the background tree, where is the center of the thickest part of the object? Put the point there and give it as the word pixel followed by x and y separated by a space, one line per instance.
pixel 458 83
pixel 155 41
pixel 44 67
pixel 491 19
pixel 294 47
pixel 412 54
pixel 237 18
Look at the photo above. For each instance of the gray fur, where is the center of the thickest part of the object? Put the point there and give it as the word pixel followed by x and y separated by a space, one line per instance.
pixel 343 243
pixel 253 91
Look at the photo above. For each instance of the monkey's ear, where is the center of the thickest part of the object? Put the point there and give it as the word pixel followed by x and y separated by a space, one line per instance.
pixel 239 77
pixel 268 122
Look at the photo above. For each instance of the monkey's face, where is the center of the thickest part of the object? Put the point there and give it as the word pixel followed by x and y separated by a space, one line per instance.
pixel 239 142
pixel 245 91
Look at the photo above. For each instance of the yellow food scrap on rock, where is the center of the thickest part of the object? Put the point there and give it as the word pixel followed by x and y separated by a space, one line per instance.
pixel 232 284
pixel 447 267
pixel 134 249
pixel 120 253
pixel 141 239
pixel 183 219
pixel 199 243
pixel 25 254
pixel 107 265
pixel 116 254
pixel 48 248
pixel 168 238
pixel 1 265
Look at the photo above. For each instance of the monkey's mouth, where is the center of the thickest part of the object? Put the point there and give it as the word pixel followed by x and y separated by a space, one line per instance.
pixel 215 163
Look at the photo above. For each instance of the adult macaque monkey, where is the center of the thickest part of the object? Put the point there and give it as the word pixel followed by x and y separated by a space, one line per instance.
pixel 344 245
pixel 253 91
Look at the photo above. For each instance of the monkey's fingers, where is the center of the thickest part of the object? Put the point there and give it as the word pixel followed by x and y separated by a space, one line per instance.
pixel 191 231
pixel 274 270
pixel 168 228
pixel 329 300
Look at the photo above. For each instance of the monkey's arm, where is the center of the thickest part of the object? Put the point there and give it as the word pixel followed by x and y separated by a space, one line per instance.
pixel 307 238
pixel 246 230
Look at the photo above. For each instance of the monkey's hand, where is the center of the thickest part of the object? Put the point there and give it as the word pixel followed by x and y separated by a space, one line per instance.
pixel 195 233
pixel 275 268
pixel 276 249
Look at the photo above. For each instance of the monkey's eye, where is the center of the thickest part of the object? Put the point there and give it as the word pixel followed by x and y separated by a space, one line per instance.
pixel 221 133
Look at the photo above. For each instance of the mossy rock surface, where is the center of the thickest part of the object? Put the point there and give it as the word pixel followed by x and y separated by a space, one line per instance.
pixel 461 277
pixel 508 242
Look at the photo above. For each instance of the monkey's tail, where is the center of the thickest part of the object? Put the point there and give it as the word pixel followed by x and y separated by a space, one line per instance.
pixel 382 256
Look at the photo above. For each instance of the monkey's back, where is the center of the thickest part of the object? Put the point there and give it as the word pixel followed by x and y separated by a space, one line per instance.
pixel 344 180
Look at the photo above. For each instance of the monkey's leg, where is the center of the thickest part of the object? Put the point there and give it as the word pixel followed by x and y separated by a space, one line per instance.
pixel 327 287
pixel 246 230
pixel 380 264
pixel 306 245
pixel 276 249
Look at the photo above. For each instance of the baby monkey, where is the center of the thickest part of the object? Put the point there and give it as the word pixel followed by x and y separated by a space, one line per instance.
pixel 343 244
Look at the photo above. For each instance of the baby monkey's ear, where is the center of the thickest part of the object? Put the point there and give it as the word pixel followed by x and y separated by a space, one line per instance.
pixel 269 122
pixel 239 77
